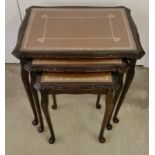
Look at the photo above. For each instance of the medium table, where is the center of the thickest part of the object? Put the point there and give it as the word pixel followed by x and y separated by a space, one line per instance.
pixel 78 33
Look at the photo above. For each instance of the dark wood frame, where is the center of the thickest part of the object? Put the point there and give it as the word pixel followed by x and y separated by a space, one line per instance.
pixel 130 56
pixel 29 78
pixel 118 70
pixel 110 89
pixel 77 68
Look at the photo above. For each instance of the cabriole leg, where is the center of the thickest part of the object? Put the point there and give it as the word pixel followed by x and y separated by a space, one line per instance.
pixel 26 82
pixel 129 77
pixel 44 104
pixel 108 110
pixel 98 105
pixel 36 99
pixel 116 96
pixel 54 106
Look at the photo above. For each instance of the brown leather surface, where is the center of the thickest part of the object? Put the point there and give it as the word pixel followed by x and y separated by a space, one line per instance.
pixel 92 29
pixel 76 62
pixel 76 77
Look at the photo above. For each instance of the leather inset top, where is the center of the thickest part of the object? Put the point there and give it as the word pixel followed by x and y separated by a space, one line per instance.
pixel 77 62
pixel 76 77
pixel 75 29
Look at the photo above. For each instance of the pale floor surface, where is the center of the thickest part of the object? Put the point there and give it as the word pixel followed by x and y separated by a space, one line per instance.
pixel 76 122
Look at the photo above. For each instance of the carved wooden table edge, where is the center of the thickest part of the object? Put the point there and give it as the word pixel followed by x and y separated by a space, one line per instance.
pixel 80 54
pixel 79 68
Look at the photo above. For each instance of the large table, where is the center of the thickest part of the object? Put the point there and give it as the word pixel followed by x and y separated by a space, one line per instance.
pixel 78 33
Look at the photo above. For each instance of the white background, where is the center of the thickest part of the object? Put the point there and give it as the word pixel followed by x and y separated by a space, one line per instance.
pixel 139 12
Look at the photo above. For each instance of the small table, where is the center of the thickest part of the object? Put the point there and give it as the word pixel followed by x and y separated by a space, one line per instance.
pixel 78 33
